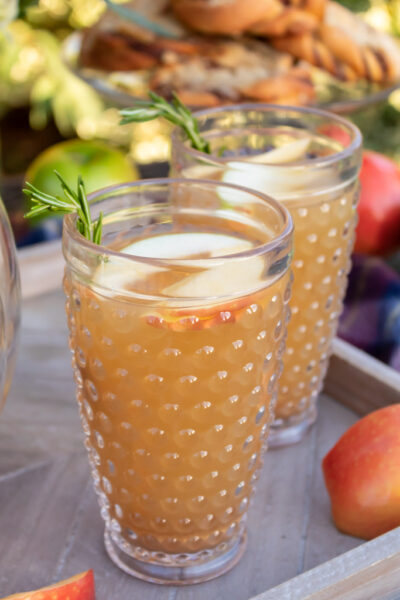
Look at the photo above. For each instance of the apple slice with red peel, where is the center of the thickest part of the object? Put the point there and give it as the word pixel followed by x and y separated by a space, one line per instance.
pixel 288 153
pixel 187 245
pixel 200 318
pixel 283 154
pixel 79 587
pixel 117 273
pixel 242 172
pixel 266 172
pixel 182 320
pixel 222 278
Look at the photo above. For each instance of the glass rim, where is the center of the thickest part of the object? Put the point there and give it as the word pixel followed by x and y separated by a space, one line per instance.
pixel 356 142
pixel 99 249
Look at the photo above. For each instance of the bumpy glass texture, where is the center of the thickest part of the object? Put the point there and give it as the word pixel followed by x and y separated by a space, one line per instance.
pixel 175 420
pixel 324 237
pixel 9 304
pixel 177 365
pixel 318 185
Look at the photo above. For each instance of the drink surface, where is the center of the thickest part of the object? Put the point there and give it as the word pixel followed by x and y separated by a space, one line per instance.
pixel 175 396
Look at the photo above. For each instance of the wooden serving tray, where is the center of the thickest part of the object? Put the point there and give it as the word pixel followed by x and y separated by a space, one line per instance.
pixel 50 524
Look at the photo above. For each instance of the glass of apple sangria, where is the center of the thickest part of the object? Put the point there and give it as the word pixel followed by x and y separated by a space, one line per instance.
pixel 9 304
pixel 177 324
pixel 309 160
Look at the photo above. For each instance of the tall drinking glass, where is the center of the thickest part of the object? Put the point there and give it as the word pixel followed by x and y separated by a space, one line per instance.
pixel 9 304
pixel 177 326
pixel 309 160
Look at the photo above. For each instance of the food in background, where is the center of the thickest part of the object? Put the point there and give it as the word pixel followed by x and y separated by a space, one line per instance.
pixel 202 71
pixel 237 50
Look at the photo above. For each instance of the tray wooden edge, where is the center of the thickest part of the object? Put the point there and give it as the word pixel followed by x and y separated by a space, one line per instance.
pixel 369 572
pixel 360 381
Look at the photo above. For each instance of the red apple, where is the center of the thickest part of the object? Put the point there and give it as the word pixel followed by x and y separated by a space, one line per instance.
pixel 337 133
pixel 362 475
pixel 378 230
pixel 79 587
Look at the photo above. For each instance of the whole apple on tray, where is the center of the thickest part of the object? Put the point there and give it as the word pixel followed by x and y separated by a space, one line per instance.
pixel 378 230
pixel 362 475
pixel 79 587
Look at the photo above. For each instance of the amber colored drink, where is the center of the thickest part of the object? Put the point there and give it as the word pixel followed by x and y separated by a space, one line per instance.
pixel 324 237
pixel 175 392
pixel 308 160
pixel 175 406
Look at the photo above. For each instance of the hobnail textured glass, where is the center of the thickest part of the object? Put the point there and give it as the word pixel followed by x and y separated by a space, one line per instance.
pixel 9 304
pixel 321 192
pixel 176 416
pixel 320 268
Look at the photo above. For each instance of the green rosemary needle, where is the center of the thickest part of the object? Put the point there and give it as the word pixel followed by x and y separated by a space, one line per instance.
pixel 72 202
pixel 175 112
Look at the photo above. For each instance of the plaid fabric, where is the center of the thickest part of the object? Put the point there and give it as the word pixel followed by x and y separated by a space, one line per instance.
pixel 371 315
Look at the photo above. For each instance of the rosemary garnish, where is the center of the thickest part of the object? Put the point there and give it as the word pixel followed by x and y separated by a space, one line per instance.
pixel 72 202
pixel 175 112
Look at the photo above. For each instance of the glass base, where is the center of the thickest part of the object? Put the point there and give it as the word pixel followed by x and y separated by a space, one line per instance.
pixel 285 432
pixel 176 575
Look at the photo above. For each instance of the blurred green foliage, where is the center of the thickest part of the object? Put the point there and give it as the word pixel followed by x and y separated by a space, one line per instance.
pixel 24 5
pixel 380 126
pixel 32 72
pixel 356 5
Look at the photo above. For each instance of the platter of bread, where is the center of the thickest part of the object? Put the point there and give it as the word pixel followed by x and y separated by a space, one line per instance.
pixel 215 52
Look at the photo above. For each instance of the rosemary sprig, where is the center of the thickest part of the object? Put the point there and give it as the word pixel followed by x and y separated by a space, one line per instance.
pixel 175 112
pixel 71 202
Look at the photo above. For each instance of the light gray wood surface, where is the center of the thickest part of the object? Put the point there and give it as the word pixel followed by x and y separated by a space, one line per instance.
pixel 50 527
pixel 41 267
pixel 369 572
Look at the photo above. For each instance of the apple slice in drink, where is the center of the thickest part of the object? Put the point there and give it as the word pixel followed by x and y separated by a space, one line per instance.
pixel 280 173
pixel 288 153
pixel 116 273
pixel 220 278
pixel 267 172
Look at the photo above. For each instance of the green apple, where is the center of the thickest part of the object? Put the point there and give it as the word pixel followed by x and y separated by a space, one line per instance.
pixel 99 164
